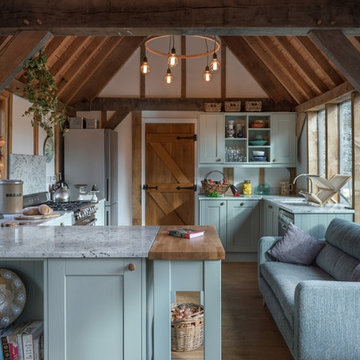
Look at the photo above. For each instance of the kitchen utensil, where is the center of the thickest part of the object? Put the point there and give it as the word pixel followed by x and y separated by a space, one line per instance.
pixel 62 194
pixel 12 295
pixel 11 196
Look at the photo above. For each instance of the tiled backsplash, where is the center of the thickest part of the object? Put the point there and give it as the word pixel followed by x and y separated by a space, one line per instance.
pixel 30 169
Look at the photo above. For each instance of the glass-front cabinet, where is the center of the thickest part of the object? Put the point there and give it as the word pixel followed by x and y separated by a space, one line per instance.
pixel 261 139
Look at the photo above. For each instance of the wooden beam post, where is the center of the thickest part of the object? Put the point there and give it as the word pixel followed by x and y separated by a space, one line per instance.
pixel 136 168
pixel 183 68
pixel 22 46
pixel 341 52
pixel 223 69
pixel 312 144
pixel 142 76
pixel 355 107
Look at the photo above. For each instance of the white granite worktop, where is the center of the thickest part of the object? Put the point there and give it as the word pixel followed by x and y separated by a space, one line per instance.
pixel 76 241
pixel 295 205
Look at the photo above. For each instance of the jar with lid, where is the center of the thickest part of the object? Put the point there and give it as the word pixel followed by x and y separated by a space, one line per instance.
pixel 247 187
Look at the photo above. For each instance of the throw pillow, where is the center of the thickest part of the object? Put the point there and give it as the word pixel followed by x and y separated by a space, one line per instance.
pixel 296 247
pixel 356 274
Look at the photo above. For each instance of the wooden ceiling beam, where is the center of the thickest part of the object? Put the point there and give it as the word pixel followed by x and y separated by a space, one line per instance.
pixel 336 95
pixel 278 71
pixel 116 118
pixel 341 52
pixel 267 81
pixel 168 104
pixel 303 65
pixel 128 17
pixel 21 47
pixel 322 61
pixel 112 63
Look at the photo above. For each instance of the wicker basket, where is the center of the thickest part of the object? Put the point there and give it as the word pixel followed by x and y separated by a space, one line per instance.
pixel 219 188
pixel 253 105
pixel 210 107
pixel 188 334
pixel 232 105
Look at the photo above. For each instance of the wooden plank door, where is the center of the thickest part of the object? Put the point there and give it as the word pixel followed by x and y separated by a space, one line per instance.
pixel 169 168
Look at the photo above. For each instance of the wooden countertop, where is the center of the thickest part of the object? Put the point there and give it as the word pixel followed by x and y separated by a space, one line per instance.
pixel 207 247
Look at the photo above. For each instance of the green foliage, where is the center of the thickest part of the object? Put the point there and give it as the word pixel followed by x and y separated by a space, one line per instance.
pixel 40 89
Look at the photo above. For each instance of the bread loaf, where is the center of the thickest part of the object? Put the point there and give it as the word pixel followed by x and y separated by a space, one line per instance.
pixel 45 210
pixel 32 210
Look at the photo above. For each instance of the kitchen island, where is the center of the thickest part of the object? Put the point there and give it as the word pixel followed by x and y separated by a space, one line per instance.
pixel 98 292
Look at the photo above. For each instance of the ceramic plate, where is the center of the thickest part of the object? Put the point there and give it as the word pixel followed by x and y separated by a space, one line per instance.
pixel 12 297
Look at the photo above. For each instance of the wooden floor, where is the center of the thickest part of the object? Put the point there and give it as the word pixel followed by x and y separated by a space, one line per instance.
pixel 248 330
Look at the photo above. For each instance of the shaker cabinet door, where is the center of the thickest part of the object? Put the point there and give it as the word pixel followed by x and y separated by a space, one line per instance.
pixel 94 309
pixel 243 219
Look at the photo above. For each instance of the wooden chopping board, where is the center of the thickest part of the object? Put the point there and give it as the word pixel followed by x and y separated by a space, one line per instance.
pixel 37 217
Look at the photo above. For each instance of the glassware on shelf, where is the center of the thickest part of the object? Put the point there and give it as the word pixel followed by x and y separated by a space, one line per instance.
pixel 235 154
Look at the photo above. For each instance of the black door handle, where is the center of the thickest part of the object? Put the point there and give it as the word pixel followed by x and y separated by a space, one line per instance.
pixel 192 137
pixel 194 187
pixel 147 187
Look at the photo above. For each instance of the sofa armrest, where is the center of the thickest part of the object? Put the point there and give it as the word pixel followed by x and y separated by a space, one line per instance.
pixel 265 243
pixel 327 320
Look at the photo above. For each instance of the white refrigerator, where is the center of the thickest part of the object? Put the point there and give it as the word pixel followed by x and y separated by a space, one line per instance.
pixel 90 157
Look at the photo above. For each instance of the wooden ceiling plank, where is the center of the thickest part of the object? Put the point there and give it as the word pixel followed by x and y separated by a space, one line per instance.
pixel 86 56
pixel 341 52
pixel 4 40
pixel 303 65
pixel 278 71
pixel 335 95
pixel 87 72
pixel 68 57
pixel 267 81
pixel 287 67
pixel 22 46
pixel 111 64
pixel 128 17
pixel 355 41
pixel 321 60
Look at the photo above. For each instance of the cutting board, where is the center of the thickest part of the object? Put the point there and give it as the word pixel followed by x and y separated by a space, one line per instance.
pixel 37 217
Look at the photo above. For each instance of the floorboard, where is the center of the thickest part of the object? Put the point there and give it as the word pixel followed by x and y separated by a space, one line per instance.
pixel 248 330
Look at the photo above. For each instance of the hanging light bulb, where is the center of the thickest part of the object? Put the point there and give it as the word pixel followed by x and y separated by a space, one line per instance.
pixel 168 77
pixel 172 59
pixel 207 74
pixel 215 64
pixel 145 67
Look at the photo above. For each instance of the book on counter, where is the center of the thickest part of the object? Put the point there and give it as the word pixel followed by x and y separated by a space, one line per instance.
pixel 186 233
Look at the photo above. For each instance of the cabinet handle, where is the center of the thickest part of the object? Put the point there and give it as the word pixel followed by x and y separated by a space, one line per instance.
pixel 131 267
pixel 222 204
pixel 218 160
pixel 270 206
pixel 274 160
pixel 242 204
pixel 62 224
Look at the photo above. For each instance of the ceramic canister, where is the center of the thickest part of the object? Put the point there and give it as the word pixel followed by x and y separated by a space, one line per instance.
pixel 11 196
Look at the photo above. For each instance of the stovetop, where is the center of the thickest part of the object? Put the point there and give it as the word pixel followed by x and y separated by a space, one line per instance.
pixel 69 205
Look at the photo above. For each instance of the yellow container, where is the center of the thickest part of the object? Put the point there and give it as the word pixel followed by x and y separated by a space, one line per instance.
pixel 247 187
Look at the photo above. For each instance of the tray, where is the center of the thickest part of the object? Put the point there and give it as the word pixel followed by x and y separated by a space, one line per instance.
pixel 37 217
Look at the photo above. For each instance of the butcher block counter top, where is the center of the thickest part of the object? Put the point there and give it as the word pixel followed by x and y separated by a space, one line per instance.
pixel 207 247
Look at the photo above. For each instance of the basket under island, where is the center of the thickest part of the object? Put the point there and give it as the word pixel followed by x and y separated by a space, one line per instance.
pixel 106 292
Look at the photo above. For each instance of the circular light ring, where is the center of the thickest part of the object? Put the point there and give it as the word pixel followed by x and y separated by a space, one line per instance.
pixel 183 56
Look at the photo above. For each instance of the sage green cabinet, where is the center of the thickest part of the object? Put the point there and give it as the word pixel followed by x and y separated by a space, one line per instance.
pixel 236 221
pixel 211 138
pixel 283 134
pixel 243 231
pixel 213 212
pixel 94 309
pixel 270 218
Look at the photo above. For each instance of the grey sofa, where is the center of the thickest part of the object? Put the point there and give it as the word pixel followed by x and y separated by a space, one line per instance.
pixel 317 307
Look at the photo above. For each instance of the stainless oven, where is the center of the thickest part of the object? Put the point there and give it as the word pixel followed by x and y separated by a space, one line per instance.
pixel 285 218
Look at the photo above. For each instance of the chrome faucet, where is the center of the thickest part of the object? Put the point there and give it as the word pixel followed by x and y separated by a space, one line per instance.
pixel 311 182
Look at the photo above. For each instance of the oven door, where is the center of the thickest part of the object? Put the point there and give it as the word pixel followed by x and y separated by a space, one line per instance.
pixel 87 221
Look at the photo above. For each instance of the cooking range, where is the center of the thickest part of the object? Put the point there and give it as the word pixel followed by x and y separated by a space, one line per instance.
pixel 84 211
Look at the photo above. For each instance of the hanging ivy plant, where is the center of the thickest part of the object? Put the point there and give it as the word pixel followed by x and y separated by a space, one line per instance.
pixel 40 89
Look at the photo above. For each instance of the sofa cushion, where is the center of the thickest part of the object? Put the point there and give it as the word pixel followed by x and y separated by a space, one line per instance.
pixel 355 276
pixel 337 263
pixel 344 235
pixel 283 278
pixel 296 247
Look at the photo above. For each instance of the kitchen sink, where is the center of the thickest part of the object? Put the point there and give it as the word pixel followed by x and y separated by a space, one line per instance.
pixel 298 202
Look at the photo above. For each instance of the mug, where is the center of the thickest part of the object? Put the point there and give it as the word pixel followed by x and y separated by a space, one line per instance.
pixel 285 188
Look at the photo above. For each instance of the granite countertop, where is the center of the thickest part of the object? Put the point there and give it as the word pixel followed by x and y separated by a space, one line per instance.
pixel 76 241
pixel 11 218
pixel 293 204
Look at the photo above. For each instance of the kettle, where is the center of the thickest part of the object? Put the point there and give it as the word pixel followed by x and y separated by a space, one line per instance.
pixel 62 194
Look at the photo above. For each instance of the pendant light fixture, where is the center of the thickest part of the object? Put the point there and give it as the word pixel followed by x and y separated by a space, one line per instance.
pixel 145 67
pixel 207 76
pixel 172 59
pixel 215 64
pixel 169 78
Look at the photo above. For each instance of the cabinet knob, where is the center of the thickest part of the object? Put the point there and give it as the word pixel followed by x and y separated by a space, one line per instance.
pixel 274 160
pixel 222 204
pixel 62 224
pixel 218 160
pixel 242 204
pixel 131 267
pixel 270 206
